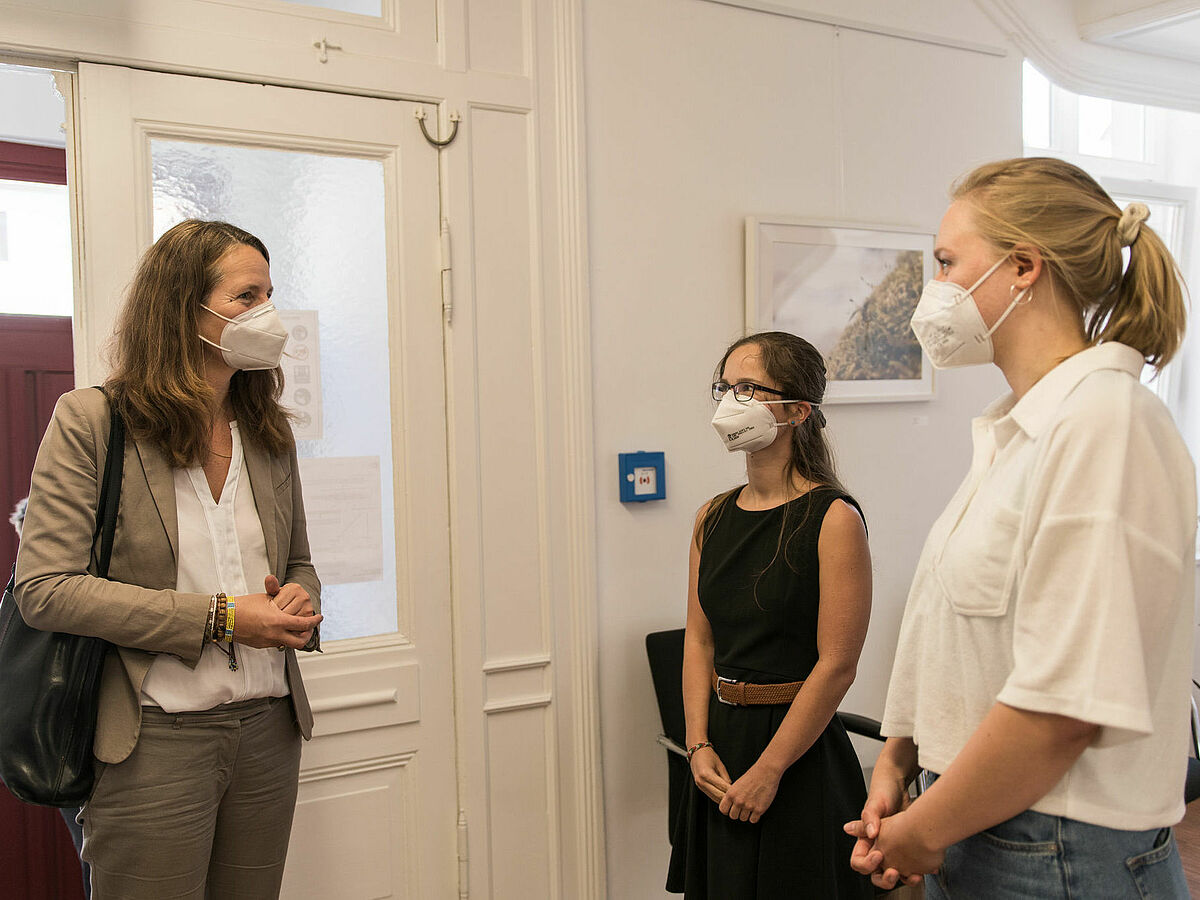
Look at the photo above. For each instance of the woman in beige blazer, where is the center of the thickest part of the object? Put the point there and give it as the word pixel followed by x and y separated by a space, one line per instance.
pixel 210 590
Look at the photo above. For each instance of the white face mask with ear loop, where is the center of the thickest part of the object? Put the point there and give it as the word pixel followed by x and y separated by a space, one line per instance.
pixel 253 340
pixel 949 327
pixel 748 425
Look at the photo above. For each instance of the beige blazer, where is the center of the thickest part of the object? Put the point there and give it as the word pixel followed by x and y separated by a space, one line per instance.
pixel 137 608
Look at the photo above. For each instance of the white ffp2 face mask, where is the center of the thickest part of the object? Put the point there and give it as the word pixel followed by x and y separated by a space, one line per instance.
pixel 252 341
pixel 748 426
pixel 949 327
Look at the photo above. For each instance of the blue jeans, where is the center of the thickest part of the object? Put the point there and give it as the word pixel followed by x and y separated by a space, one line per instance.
pixel 1043 857
pixel 69 816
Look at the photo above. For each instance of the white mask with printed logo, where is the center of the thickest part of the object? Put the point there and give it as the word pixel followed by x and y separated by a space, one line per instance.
pixel 949 327
pixel 748 426
pixel 252 341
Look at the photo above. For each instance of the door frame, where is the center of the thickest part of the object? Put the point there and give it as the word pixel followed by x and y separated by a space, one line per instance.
pixel 567 352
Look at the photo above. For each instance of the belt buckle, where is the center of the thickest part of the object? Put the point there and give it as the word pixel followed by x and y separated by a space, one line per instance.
pixel 721 679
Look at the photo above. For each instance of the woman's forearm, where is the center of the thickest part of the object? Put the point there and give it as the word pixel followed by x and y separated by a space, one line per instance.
pixel 810 713
pixel 1011 761
pixel 158 621
pixel 697 685
pixel 897 761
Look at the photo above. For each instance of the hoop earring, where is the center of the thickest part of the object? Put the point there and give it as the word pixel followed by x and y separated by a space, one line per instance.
pixel 1028 298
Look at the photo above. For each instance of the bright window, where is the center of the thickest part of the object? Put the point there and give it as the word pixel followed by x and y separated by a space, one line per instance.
pixel 36 272
pixel 1036 108
pixel 1124 140
pixel 35 249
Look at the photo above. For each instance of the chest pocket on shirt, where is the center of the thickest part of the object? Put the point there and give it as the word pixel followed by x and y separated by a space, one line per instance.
pixel 975 568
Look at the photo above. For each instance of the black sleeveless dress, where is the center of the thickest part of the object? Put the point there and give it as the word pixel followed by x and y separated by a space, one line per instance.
pixel 763 613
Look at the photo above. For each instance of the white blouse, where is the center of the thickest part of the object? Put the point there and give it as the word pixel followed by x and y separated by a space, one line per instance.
pixel 221 548
pixel 1059 579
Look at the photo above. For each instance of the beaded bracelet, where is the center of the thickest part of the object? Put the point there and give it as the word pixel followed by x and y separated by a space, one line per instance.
pixel 229 621
pixel 219 621
pixel 699 746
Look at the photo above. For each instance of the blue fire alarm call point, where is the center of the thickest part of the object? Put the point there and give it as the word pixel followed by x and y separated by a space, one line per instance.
pixel 642 476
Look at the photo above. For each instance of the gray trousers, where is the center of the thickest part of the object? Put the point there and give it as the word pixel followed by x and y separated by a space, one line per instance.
pixel 201 808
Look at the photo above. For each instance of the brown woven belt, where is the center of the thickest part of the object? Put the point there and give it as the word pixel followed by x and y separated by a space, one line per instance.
pixel 741 693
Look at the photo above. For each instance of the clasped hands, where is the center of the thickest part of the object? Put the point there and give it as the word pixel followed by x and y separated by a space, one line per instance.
pixel 283 616
pixel 746 799
pixel 889 846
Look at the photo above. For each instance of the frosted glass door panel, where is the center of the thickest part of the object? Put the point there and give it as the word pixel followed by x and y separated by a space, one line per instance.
pixel 322 220
pixel 362 7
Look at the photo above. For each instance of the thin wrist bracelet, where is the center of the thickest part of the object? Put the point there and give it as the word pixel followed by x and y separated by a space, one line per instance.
pixel 699 746
pixel 211 622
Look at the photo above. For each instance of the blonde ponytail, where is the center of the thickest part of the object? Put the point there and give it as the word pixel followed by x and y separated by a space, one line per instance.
pixel 1147 310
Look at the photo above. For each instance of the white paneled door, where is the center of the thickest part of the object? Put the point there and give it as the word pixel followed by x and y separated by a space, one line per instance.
pixel 344 193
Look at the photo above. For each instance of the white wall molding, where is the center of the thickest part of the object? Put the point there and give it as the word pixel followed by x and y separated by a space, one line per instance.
pixel 359 767
pixel 516 664
pixel 808 15
pixel 1049 36
pixel 581 798
pixel 360 700
pixel 500 706
pixel 1103 19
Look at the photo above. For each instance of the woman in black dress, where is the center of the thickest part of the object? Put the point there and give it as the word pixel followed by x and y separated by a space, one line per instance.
pixel 778 603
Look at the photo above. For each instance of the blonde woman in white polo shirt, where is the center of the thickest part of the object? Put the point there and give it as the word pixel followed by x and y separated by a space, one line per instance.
pixel 1044 659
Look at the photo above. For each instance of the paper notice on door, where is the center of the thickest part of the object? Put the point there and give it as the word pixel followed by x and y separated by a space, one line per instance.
pixel 345 517
pixel 302 372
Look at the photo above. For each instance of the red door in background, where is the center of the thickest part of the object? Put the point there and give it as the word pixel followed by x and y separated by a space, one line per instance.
pixel 36 368
pixel 37 858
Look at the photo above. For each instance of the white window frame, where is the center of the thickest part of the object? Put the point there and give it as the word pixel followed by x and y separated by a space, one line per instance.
pixel 1064 140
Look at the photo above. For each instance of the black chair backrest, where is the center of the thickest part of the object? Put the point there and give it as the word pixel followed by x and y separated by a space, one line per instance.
pixel 664 649
pixel 856 724
pixel 665 652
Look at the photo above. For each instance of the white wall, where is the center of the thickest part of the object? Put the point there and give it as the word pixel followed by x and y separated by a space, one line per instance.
pixel 698 115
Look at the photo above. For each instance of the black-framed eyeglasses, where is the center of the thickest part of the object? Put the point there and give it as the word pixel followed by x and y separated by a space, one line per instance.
pixel 743 391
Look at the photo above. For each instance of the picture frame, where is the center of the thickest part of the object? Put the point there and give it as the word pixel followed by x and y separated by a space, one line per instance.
pixel 849 289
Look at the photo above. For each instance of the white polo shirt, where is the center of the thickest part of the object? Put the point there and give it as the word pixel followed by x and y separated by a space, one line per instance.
pixel 1060 579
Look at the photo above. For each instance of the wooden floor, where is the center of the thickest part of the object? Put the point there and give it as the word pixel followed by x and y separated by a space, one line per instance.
pixel 1187 833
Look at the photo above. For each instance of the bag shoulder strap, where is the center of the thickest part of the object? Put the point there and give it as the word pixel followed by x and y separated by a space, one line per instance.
pixel 110 488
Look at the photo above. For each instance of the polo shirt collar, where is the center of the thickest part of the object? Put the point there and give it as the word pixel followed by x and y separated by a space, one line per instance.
pixel 1033 412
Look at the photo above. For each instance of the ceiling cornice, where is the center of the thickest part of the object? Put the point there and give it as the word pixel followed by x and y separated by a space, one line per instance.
pixel 1048 35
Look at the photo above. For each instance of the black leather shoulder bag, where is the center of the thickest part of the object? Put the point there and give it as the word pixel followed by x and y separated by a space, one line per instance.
pixel 50 681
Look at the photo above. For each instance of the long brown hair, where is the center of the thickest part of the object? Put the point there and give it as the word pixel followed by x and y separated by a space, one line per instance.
pixel 157 383
pixel 798 368
pixel 1061 210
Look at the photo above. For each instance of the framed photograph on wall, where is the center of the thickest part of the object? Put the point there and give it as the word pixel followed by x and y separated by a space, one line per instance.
pixel 850 290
